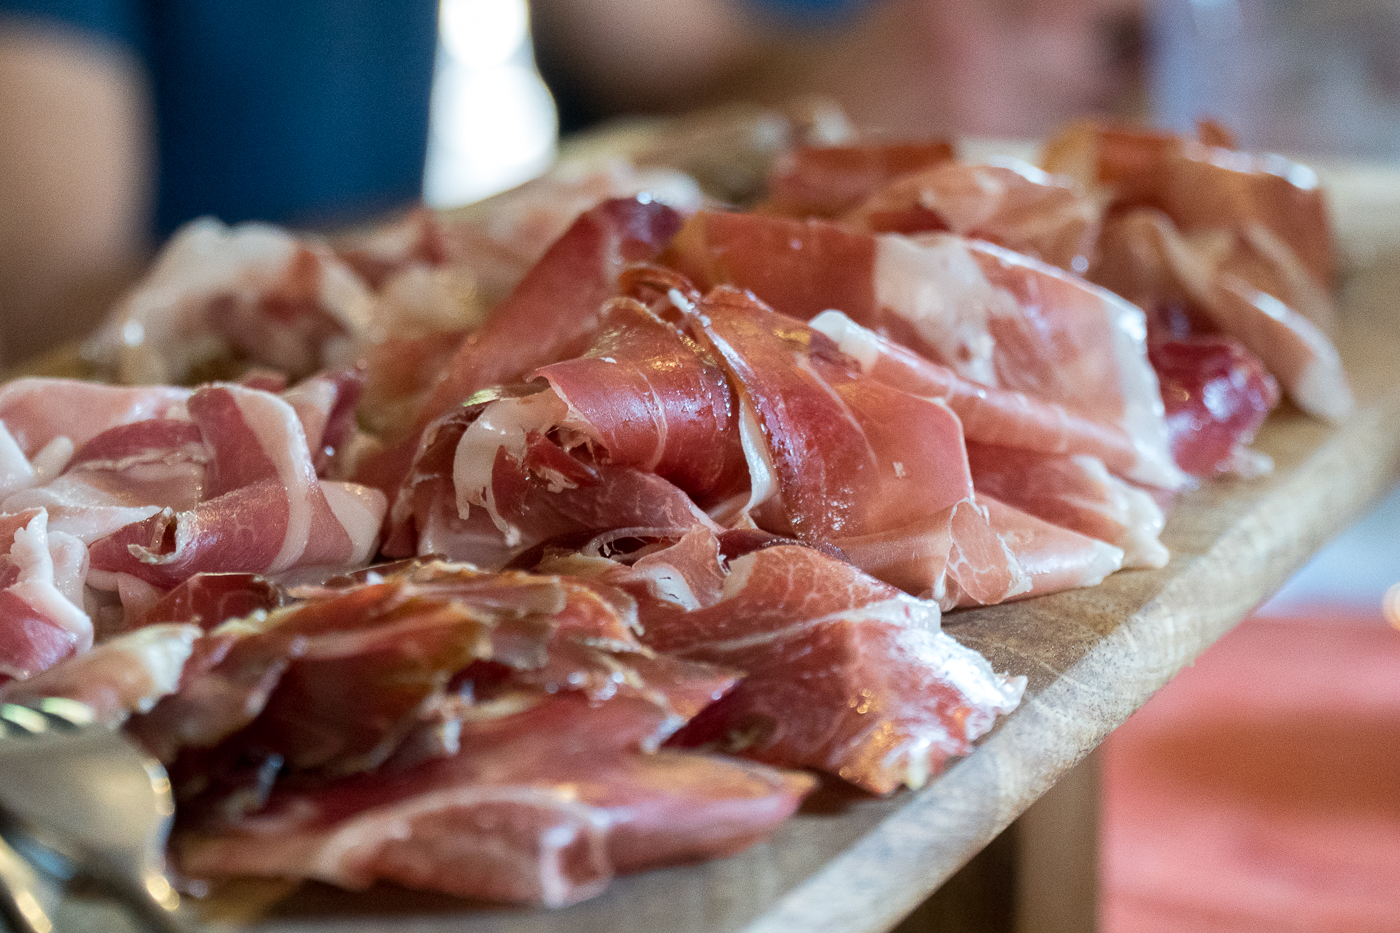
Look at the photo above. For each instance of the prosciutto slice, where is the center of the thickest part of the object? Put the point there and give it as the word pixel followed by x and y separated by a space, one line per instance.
pixel 844 673
pixel 827 181
pixel 123 675
pixel 1146 258
pixel 539 806
pixel 1241 241
pixel 1010 203
pixel 264 509
pixel 217 292
pixel 993 316
pixel 1075 492
pixel 553 313
pixel 42 619
pixel 877 472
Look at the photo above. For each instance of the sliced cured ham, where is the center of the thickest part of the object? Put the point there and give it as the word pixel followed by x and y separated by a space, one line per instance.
pixel 1075 492
pixel 540 806
pixel 1146 258
pixel 827 181
pixel 993 316
pixel 121 676
pixel 1241 241
pixel 489 486
pixel 264 509
pixel 1010 203
pixel 1000 552
pixel 1217 395
pixel 251 291
pixel 553 313
pixel 42 619
pixel 988 415
pixel 856 463
pixel 844 673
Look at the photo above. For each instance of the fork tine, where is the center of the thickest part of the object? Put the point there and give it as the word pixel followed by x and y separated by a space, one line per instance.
pixel 21 903
pixel 23 720
pixel 56 744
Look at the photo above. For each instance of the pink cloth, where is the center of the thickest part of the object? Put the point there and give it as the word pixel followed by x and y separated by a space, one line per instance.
pixel 1261 789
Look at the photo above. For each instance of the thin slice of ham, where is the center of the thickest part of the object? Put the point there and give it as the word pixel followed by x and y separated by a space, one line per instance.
pixel 553 313
pixel 252 290
pixel 118 677
pixel 1145 257
pixel 40 574
pixel 1009 202
pixel 1075 492
pixel 539 806
pixel 844 673
pixel 993 316
pixel 827 181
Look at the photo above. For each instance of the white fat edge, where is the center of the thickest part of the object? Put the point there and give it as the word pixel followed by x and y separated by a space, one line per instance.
pixel 502 424
pixel 1246 463
pixel 971 673
pixel 1132 508
pixel 1321 389
pixel 313 399
pixel 343 294
pixel 163 650
pixel 360 511
pixel 50 461
pixel 16 472
pixel 763 476
pixel 669 186
pixel 76 508
pixel 35 584
pixel 1144 415
pixel 893 611
pixel 859 343
pixel 934 283
pixel 70 565
pixel 279 432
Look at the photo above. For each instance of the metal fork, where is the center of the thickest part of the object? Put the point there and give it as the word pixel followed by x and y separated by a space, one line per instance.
pixel 87 794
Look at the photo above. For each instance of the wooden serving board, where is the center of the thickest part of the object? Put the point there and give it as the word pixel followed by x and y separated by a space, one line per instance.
pixel 854 864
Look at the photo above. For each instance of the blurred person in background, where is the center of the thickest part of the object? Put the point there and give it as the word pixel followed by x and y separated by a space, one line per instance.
pixel 122 119
pixel 1007 68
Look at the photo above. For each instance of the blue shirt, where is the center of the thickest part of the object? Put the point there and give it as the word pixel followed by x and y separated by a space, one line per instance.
pixel 292 111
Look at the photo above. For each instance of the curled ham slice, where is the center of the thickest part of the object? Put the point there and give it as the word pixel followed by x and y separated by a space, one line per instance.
pixel 264 511
pixel 553 313
pixel 123 675
pixel 1241 241
pixel 827 181
pixel 540 806
pixel 1010 203
pixel 41 616
pixel 993 316
pixel 1075 492
pixel 1147 259
pixel 844 673
pixel 217 291
pixel 38 411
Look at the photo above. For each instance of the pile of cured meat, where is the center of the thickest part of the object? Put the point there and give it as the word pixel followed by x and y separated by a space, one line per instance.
pixel 575 537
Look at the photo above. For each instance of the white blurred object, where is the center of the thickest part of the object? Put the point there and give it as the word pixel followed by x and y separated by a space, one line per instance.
pixel 1300 76
pixel 493 122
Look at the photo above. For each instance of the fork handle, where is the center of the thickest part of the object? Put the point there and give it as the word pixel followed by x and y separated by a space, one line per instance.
pixel 21 903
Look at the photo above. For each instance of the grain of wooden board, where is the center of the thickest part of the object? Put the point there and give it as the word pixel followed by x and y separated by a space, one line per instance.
pixel 854 864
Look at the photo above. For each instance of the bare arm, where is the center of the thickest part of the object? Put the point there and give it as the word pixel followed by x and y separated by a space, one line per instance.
pixel 75 183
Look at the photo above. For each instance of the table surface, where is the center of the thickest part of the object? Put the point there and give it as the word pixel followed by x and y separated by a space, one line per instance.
pixel 854 864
